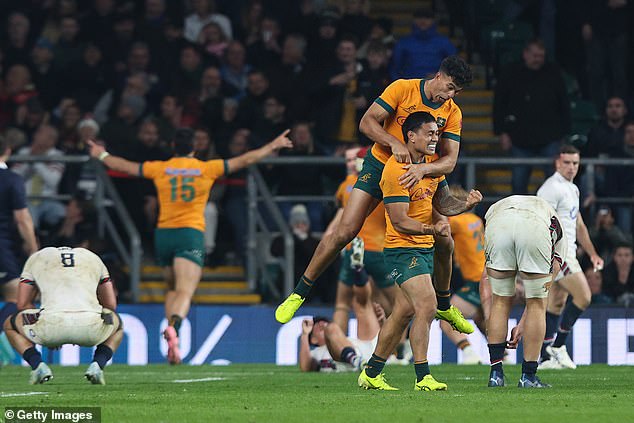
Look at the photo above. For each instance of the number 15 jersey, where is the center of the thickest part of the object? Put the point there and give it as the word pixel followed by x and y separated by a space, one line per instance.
pixel 183 185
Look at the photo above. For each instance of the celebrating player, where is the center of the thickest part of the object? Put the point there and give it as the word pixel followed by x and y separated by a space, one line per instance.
pixel 561 193
pixel 78 305
pixel 409 242
pixel 382 124
pixel 183 184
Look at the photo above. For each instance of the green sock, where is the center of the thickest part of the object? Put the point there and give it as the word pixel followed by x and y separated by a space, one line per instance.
pixel 443 298
pixel 375 366
pixel 422 369
pixel 303 287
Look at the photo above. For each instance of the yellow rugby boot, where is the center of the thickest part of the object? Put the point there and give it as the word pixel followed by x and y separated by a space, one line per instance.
pixel 285 311
pixel 454 317
pixel 428 383
pixel 377 382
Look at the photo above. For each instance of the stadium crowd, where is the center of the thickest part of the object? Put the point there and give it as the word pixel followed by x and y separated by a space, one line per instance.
pixel 130 72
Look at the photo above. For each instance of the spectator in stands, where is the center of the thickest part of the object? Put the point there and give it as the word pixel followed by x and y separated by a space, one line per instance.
pixel 373 78
pixel 235 68
pixel 618 277
pixel 17 47
pixel 382 32
pixel 116 48
pixel 18 88
pixel 68 136
pixel 322 45
pixel 46 77
pixel 119 133
pixel 605 32
pixel 150 28
pixel 531 111
pixel 355 19
pixel 30 115
pixel 213 41
pixel 420 53
pixel 213 91
pixel 98 24
pixel 607 137
pixel 136 86
pixel 186 79
pixel 42 178
pixel 87 129
pixel 595 282
pixel 170 116
pixel 227 126
pixel 335 97
pixel 77 227
pixel 266 50
pixel 203 13
pixel 605 235
pixel 619 180
pixel 68 49
pixel 92 79
pixel 272 121
pixel 251 106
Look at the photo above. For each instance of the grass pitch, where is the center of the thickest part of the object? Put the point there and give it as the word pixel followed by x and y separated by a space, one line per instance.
pixel 268 393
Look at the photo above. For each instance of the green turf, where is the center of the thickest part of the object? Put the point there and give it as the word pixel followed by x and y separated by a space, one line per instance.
pixel 267 393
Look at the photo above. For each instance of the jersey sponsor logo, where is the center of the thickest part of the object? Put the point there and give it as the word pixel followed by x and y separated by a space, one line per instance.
pixel 421 194
pixel 182 172
pixel 413 263
pixel 409 109
pixel 441 121
pixel 365 177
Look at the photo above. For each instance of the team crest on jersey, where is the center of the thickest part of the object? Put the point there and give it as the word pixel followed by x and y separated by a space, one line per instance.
pixel 413 263
pixel 365 177
pixel 441 121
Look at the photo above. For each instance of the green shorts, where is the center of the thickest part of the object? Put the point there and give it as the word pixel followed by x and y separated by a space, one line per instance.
pixel 405 263
pixel 370 176
pixel 373 265
pixel 470 292
pixel 187 243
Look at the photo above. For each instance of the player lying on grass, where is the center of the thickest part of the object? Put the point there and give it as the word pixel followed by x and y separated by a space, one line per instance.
pixel 409 252
pixel 77 306
pixel 325 347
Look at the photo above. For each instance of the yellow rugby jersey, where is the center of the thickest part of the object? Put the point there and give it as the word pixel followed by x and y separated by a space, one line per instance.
pixel 183 185
pixel 467 231
pixel 406 96
pixel 373 230
pixel 419 198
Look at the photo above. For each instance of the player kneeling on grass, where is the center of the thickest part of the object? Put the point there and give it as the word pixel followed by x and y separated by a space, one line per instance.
pixel 78 305
pixel 409 242
pixel 324 346
pixel 523 237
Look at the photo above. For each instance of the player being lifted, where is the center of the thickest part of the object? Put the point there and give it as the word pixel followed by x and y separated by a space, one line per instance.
pixel 183 184
pixel 382 124
pixel 77 307
pixel 409 252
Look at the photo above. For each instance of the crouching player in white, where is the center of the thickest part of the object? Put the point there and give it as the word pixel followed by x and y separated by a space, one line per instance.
pixel 77 307
pixel 324 346
pixel 523 237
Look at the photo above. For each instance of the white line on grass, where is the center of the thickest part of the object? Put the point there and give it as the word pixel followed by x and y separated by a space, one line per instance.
pixel 20 394
pixel 204 379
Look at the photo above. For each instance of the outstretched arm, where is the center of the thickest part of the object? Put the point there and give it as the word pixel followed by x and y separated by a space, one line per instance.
pixel 449 205
pixel 254 156
pixel 119 164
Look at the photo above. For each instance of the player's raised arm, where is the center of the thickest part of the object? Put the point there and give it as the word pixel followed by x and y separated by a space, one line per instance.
pixel 254 156
pixel 119 164
pixel 371 125
pixel 449 205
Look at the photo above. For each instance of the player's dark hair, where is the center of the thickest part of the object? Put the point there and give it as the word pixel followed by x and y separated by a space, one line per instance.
pixel 459 71
pixel 415 121
pixel 569 149
pixel 183 141
pixel 316 320
pixel 4 145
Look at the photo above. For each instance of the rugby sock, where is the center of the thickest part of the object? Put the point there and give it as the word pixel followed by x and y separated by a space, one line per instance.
pixel 375 366
pixel 529 368
pixel 303 287
pixel 463 344
pixel 6 311
pixel 348 355
pixel 552 320
pixel 33 357
pixel 103 353
pixel 422 369
pixel 496 354
pixel 176 321
pixel 568 318
pixel 443 298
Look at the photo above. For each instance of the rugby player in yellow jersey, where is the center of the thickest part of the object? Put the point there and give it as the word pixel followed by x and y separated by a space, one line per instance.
pixel 183 184
pixel 409 252
pixel 362 261
pixel 382 124
pixel 467 231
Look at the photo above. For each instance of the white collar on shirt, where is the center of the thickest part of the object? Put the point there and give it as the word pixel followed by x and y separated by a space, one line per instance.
pixel 3 165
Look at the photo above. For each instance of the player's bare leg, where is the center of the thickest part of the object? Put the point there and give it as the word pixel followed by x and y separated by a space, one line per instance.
pixel 367 322
pixel 359 206
pixel 186 278
pixel 384 296
pixel 343 302
pixel 40 373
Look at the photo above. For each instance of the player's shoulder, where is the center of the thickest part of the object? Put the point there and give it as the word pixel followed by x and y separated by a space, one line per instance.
pixel 406 84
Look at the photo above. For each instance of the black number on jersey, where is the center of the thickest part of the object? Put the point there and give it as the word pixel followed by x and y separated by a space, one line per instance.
pixel 68 259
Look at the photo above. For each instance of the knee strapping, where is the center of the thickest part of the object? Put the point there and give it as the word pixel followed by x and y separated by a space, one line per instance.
pixel 537 288
pixel 503 287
